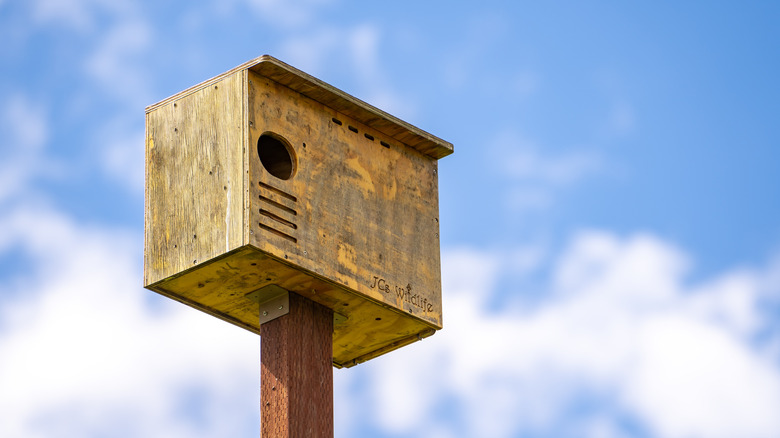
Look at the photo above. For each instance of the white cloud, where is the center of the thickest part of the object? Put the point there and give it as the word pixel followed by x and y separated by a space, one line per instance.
pixel 523 198
pixel 80 15
pixel 528 163
pixel 310 51
pixel 693 379
pixel 73 13
pixel 25 129
pixel 620 326
pixel 27 124
pixel 357 47
pixel 536 179
pixel 121 151
pixel 83 354
pixel 469 64
pixel 364 44
pixel 116 62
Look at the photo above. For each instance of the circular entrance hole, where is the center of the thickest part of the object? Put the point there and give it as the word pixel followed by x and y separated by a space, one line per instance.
pixel 276 155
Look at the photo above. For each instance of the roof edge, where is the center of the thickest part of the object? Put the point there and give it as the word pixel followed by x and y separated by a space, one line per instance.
pixel 332 97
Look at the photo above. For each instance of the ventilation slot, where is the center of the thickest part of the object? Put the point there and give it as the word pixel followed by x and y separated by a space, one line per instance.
pixel 278 205
pixel 276 218
pixel 278 191
pixel 277 232
pixel 278 211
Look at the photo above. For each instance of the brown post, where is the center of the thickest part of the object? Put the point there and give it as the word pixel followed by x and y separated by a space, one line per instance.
pixel 296 379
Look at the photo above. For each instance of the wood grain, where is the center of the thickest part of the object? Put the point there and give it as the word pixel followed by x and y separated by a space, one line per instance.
pixel 355 228
pixel 363 212
pixel 314 88
pixel 194 179
pixel 296 389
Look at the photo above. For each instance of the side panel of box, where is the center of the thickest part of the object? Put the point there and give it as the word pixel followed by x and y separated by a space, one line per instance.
pixel 361 209
pixel 194 178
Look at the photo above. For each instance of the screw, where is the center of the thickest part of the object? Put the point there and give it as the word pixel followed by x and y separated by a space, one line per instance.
pixel 265 313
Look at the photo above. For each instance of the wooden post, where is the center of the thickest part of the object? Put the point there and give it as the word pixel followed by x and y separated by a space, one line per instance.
pixel 296 387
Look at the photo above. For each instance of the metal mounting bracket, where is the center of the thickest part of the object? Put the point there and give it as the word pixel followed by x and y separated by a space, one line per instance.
pixel 273 300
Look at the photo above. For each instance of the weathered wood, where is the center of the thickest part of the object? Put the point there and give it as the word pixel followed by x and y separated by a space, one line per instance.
pixel 361 212
pixel 194 179
pixel 296 389
pixel 368 330
pixel 265 175
pixel 334 98
pixel 351 106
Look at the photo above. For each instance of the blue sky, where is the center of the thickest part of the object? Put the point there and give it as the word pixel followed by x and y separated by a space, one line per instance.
pixel 610 218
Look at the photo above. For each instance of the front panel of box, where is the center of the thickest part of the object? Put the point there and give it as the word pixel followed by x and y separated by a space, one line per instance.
pixel 342 201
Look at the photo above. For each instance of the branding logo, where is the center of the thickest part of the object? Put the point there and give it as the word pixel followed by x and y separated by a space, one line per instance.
pixel 403 294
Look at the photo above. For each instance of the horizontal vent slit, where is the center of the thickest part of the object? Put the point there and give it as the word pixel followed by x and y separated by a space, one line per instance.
pixel 282 221
pixel 278 205
pixel 280 192
pixel 278 233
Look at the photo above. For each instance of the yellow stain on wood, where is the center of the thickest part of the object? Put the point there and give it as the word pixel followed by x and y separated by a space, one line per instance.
pixel 363 180
pixel 389 189
pixel 333 199
pixel 347 257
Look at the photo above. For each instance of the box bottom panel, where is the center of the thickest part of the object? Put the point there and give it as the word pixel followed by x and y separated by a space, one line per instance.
pixel 363 328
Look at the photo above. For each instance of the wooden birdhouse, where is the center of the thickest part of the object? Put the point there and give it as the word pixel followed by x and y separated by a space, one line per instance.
pixel 265 179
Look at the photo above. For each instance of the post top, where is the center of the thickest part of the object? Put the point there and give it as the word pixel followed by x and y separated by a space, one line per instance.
pixel 330 96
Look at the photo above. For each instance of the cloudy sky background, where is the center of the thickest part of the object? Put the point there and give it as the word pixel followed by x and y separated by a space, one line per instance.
pixel 610 218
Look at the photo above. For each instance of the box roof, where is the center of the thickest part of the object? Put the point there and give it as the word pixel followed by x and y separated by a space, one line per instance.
pixel 336 99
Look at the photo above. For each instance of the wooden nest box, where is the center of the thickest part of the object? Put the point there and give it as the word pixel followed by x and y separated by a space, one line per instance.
pixel 265 179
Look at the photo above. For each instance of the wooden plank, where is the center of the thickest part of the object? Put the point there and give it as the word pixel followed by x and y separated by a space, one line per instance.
pixel 355 228
pixel 334 98
pixel 202 85
pixel 296 379
pixel 351 106
pixel 220 287
pixel 366 207
pixel 195 179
